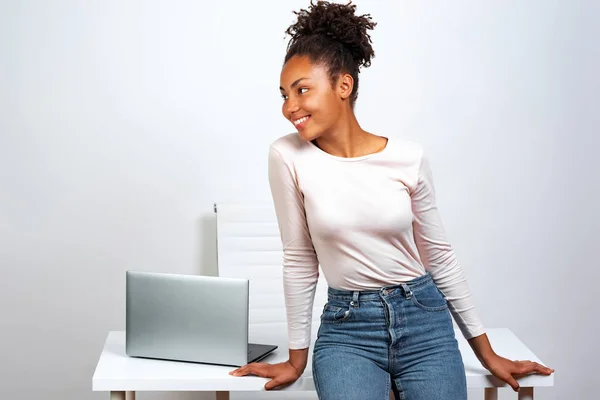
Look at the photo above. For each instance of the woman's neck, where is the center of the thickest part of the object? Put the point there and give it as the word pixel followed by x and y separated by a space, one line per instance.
pixel 348 139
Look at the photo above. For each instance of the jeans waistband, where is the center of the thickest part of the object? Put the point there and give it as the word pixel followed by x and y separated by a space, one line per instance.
pixel 376 294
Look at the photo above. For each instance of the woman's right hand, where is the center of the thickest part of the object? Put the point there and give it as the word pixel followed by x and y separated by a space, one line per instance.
pixel 282 374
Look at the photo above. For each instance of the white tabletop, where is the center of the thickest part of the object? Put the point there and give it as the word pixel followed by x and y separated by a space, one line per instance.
pixel 116 371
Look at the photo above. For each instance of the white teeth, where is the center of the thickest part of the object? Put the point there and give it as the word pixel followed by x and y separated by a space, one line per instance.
pixel 301 120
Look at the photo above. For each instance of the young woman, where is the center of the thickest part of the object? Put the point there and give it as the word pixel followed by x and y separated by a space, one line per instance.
pixel 363 207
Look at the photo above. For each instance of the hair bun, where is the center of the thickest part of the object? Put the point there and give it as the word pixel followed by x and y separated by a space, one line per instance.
pixel 338 22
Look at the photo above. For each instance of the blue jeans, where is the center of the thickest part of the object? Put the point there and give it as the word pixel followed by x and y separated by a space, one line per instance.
pixel 399 336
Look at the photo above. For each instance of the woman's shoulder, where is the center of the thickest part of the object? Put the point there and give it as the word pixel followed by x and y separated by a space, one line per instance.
pixel 288 145
pixel 406 150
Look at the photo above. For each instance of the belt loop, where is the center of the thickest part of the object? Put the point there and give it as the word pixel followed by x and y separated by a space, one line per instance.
pixel 407 292
pixel 354 302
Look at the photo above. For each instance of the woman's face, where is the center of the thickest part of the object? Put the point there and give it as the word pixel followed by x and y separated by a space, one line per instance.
pixel 310 102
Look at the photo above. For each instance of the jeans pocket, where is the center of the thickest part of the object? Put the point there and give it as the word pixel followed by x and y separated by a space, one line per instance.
pixel 333 314
pixel 429 298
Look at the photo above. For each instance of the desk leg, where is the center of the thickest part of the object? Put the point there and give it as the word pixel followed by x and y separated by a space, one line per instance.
pixel 526 393
pixel 114 395
pixel 222 395
pixel 491 394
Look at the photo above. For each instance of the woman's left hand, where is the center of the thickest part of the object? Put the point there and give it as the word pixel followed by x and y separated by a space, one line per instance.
pixel 507 370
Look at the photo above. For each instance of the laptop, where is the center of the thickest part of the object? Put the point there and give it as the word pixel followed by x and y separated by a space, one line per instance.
pixel 190 318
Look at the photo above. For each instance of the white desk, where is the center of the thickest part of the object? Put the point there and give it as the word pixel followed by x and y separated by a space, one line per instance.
pixel 122 376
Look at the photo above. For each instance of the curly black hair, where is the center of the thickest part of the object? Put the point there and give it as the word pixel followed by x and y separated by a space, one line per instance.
pixel 332 35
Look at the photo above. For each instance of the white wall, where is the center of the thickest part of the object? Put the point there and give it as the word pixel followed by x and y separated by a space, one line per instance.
pixel 122 122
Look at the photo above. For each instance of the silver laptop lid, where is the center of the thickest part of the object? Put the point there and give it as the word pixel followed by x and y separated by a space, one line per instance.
pixel 187 317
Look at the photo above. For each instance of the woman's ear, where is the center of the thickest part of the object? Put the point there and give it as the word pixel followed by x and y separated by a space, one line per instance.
pixel 345 86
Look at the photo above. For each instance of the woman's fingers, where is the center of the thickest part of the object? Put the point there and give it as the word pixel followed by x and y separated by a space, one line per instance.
pixel 272 384
pixel 537 368
pixel 239 371
pixel 281 374
pixel 512 382
pixel 543 369
pixel 527 367
pixel 258 369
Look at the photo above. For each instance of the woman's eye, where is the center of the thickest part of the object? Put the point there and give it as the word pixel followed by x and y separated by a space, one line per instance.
pixel 300 91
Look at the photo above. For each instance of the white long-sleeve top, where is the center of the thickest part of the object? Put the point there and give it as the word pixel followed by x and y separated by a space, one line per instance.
pixel 369 221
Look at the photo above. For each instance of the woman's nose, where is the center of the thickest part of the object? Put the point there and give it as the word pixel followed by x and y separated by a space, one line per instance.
pixel 291 106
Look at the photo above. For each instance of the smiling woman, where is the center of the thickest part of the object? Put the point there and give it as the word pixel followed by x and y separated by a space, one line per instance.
pixel 363 207
pixel 320 77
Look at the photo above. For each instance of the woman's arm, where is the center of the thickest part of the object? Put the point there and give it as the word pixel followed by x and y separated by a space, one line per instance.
pixel 282 374
pixel 439 259
pixel 298 359
pixel 300 264
pixel 482 348
pixel 437 255
pixel 300 275
pixel 501 367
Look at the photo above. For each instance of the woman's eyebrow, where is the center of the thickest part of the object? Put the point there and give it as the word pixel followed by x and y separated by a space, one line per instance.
pixel 296 82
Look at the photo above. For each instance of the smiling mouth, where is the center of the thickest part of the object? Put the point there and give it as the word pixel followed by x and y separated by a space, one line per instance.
pixel 301 120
